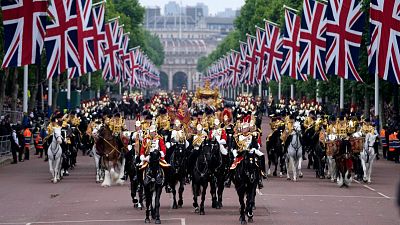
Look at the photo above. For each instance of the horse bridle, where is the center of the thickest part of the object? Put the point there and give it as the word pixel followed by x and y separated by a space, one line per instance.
pixel 204 172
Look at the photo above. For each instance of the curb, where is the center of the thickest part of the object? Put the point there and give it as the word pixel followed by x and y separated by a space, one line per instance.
pixel 5 160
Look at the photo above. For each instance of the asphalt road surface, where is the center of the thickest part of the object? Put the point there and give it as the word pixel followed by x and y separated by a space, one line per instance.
pixel 28 197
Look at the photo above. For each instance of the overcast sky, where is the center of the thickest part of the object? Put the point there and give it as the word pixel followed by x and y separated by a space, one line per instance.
pixel 214 6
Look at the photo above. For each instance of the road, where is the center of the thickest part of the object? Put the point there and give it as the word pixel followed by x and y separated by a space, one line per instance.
pixel 28 197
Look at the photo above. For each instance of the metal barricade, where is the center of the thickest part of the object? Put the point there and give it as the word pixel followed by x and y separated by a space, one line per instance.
pixel 5 145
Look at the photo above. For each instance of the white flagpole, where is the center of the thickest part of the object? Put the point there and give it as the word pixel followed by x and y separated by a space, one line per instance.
pixel 317 93
pixel 89 79
pixel 247 88
pixel 292 91
pixel 25 98
pixel 341 94
pixel 279 89
pixel 120 88
pixel 68 93
pixel 50 96
pixel 260 89
pixel 376 95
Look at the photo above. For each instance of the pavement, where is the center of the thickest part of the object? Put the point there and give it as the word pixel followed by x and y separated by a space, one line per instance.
pixel 28 197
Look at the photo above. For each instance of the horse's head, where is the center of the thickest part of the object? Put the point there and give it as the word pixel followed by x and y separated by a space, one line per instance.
pixel 154 158
pixel 178 159
pixel 297 127
pixel 250 166
pixel 206 149
pixel 57 135
pixel 370 140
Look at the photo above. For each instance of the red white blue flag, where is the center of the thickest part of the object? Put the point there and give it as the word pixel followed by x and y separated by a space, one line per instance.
pixel 384 49
pixel 24 31
pixel 345 24
pixel 291 47
pixel 313 40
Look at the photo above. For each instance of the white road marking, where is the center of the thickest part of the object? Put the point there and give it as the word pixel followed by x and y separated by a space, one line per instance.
pixel 385 196
pixel 329 196
pixel 372 189
pixel 182 220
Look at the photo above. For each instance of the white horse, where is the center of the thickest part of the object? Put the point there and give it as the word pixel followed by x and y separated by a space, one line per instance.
pixel 367 156
pixel 54 153
pixel 331 161
pixel 294 153
pixel 99 171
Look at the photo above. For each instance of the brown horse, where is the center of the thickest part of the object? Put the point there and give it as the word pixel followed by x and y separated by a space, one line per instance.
pixel 112 154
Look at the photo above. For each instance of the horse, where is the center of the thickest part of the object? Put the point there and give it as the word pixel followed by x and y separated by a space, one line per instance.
pixel 219 167
pixel 178 175
pixel 245 177
pixel 332 146
pixel 111 157
pixel 294 152
pixel 344 163
pixel 153 182
pixel 201 174
pixel 318 154
pixel 367 156
pixel 275 152
pixel 92 132
pixel 54 153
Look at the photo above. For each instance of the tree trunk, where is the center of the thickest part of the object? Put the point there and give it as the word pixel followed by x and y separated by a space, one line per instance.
pixel 55 93
pixel 366 101
pixel 34 92
pixel 3 84
pixel 396 101
pixel 14 89
pixel 353 94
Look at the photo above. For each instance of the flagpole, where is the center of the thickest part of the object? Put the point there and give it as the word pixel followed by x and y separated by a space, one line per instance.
pixel 25 98
pixel 292 91
pixel 376 95
pixel 89 79
pixel 68 93
pixel 279 89
pixel 260 89
pixel 341 94
pixel 49 96
pixel 317 93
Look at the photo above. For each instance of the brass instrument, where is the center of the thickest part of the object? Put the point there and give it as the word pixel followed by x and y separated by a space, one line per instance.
pixel 199 139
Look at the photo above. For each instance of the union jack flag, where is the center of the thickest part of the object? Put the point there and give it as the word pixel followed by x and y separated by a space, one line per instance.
pixel 112 47
pixel 24 30
pixel 345 23
pixel 313 40
pixel 274 55
pixel 251 61
pixel 61 37
pixel 384 49
pixel 235 67
pixel 86 34
pixel 125 57
pixel 291 47
pixel 261 52
pixel 243 63
pixel 134 58
pixel 100 36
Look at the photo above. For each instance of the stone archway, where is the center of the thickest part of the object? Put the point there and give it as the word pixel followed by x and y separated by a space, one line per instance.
pixel 179 80
pixel 164 81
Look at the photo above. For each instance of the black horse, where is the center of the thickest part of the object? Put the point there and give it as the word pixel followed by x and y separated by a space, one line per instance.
pixel 245 177
pixel 275 151
pixel 135 177
pixel 153 182
pixel 319 155
pixel 219 172
pixel 178 164
pixel 201 174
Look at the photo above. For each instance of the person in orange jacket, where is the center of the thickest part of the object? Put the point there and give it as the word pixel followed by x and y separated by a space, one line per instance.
pixel 384 136
pixel 394 147
pixel 27 141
